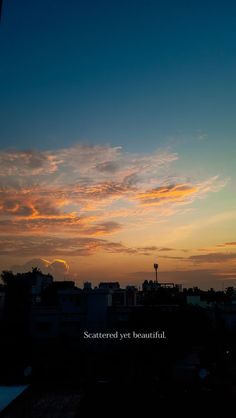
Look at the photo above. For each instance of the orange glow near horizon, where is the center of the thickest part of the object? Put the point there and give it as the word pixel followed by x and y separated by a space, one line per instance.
pixel 106 213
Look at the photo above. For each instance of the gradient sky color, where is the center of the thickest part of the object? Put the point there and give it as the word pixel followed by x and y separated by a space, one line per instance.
pixel 117 139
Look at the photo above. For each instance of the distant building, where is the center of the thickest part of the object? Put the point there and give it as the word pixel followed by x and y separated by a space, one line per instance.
pixel 155 285
pixel 38 283
pixel 109 285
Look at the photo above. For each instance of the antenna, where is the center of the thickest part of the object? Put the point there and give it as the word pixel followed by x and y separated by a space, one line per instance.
pixel 156 267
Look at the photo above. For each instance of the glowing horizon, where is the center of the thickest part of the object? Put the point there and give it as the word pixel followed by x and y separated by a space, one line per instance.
pixel 113 207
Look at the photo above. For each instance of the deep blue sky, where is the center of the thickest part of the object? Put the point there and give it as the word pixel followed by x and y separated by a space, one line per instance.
pixel 134 73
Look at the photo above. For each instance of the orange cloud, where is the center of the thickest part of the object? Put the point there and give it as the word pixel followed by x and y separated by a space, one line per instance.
pixel 164 194
pixel 90 191
pixel 227 244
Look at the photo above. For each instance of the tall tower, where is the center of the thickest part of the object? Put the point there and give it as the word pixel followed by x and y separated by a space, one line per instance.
pixel 155 267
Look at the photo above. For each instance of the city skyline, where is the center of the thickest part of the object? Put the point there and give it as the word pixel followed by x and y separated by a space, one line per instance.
pixel 117 140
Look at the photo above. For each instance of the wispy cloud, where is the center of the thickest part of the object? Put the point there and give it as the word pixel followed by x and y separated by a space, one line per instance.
pixel 227 244
pixel 89 191
pixel 26 163
pixel 206 258
pixel 170 193
pixel 54 246
pixel 217 257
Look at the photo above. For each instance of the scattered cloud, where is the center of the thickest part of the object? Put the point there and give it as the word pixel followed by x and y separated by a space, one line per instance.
pixel 67 224
pixel 26 163
pixel 104 228
pixel 227 244
pixel 60 189
pixel 169 257
pixel 62 202
pixel 171 193
pixel 217 257
pixel 60 247
pixel 210 257
pixel 63 247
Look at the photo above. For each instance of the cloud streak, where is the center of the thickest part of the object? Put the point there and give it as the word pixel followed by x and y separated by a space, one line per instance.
pixel 171 193
pixel 31 246
pixel 57 246
pixel 216 257
pixel 227 244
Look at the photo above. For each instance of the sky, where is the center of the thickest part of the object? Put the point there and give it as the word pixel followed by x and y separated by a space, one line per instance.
pixel 117 140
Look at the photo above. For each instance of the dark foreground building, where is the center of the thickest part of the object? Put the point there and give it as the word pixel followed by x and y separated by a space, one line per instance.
pixel 110 351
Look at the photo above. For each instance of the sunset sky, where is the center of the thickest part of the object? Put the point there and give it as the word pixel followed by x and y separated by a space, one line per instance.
pixel 118 139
